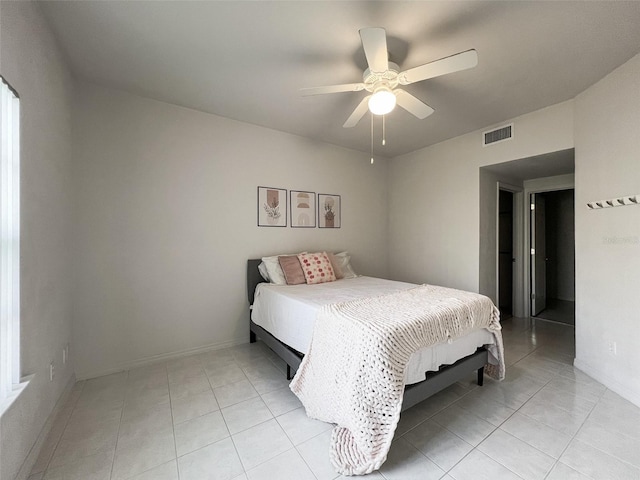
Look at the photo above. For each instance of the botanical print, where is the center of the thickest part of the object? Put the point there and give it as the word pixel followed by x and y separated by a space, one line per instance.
pixel 303 209
pixel 272 207
pixel 328 211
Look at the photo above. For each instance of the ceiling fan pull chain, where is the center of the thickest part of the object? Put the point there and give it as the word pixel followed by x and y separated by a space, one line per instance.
pixel 371 115
pixel 384 142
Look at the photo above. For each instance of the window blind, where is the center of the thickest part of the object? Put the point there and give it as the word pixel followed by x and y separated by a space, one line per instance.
pixel 10 234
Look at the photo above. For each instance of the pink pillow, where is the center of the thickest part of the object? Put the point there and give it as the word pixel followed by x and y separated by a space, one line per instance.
pixel 292 269
pixel 316 267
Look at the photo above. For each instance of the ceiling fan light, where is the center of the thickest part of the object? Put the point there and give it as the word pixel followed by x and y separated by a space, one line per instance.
pixel 382 102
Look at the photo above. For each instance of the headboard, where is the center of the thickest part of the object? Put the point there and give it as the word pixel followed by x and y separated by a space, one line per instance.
pixel 253 278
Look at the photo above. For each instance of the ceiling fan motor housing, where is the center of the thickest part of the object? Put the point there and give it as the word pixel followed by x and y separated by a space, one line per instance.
pixel 375 80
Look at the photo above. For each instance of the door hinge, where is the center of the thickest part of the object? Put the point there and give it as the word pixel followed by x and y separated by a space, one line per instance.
pixel 533 251
pixel 533 206
pixel 533 296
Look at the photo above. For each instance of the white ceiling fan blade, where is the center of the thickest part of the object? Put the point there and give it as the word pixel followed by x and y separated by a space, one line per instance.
pixel 412 105
pixel 374 43
pixel 347 87
pixel 358 113
pixel 454 63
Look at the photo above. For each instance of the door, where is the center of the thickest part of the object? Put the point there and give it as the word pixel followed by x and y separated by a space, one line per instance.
pixel 538 255
pixel 505 253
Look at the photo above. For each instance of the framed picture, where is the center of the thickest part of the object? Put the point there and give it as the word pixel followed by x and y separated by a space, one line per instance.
pixel 272 207
pixel 328 211
pixel 303 209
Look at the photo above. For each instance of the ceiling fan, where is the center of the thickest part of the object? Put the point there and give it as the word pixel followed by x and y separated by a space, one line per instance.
pixel 382 78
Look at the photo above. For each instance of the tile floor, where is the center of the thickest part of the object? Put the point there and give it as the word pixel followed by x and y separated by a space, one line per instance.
pixel 229 415
pixel 562 311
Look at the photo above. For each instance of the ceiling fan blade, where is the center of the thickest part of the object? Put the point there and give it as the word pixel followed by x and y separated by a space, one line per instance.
pixel 412 105
pixel 358 113
pixel 374 43
pixel 347 87
pixel 454 63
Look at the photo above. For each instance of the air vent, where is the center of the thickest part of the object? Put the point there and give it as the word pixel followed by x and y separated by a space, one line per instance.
pixel 498 135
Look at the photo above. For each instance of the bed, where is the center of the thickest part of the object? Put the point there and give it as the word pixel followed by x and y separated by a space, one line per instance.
pixel 282 317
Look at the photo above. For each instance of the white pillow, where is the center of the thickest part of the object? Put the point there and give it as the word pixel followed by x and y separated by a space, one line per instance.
pixel 345 264
pixel 262 268
pixel 274 273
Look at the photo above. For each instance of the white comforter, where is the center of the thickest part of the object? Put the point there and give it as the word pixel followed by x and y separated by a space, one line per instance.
pixel 289 313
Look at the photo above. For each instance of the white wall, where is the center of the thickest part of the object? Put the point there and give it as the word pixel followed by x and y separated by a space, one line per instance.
pixel 32 64
pixel 166 216
pixel 434 212
pixel 608 241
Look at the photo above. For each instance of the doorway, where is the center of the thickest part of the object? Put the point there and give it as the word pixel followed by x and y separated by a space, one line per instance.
pixel 541 173
pixel 552 265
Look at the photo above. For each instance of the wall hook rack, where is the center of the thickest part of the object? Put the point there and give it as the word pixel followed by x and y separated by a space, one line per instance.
pixel 615 202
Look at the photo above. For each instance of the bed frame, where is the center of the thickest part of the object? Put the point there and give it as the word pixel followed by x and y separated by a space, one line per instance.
pixel 413 394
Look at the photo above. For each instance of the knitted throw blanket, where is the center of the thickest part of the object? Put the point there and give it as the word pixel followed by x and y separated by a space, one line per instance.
pixel 353 373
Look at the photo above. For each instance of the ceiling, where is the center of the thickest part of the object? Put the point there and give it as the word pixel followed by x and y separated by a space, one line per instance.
pixel 247 60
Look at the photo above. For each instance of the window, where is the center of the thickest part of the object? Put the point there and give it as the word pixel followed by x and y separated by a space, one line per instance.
pixel 10 234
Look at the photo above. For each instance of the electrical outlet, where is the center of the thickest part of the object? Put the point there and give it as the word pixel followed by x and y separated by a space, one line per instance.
pixel 52 372
pixel 613 348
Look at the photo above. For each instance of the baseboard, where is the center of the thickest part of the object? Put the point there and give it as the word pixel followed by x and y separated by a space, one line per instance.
pixel 163 357
pixel 604 377
pixel 34 453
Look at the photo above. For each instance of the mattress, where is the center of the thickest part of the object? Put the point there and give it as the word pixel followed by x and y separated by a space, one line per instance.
pixel 289 313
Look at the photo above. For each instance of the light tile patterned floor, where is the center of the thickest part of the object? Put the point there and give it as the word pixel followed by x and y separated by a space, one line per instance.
pixel 229 415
